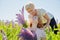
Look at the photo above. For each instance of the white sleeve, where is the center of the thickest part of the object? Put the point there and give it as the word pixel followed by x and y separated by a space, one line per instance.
pixel 43 12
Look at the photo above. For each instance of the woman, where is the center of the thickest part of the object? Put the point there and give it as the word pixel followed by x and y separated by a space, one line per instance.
pixel 40 15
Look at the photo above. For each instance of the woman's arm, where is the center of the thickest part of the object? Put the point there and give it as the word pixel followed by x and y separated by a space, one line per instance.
pixel 47 18
pixel 48 21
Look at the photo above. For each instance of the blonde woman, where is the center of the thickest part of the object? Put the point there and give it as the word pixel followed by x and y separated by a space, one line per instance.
pixel 40 15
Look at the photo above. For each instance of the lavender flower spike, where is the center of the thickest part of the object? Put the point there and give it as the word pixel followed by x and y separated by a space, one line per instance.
pixel 20 17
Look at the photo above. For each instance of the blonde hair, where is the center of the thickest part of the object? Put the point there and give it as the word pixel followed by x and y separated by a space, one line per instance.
pixel 29 6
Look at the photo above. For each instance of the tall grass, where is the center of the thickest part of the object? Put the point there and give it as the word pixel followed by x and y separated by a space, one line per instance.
pixel 12 32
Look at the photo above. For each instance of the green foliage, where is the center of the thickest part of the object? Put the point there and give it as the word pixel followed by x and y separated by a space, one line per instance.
pixel 25 25
pixel 12 32
pixel 51 36
pixel 0 37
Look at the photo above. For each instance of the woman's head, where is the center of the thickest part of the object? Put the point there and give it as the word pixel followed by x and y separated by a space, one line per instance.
pixel 30 8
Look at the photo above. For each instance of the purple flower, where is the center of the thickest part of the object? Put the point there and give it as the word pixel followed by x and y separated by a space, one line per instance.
pixel 20 17
pixel 27 36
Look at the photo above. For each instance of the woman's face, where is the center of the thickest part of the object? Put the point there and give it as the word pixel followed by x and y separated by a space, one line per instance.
pixel 31 11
